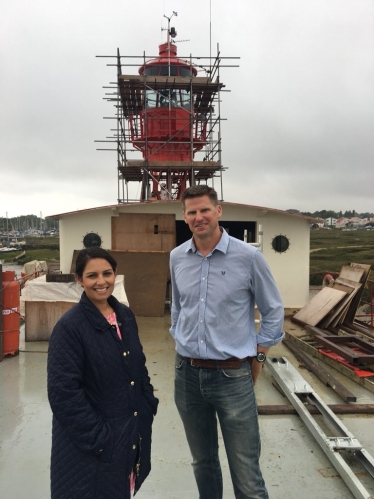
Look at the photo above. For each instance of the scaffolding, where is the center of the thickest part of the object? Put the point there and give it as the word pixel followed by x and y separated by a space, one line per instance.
pixel 171 118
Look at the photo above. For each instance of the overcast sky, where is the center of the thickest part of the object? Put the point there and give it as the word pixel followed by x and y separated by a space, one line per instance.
pixel 300 114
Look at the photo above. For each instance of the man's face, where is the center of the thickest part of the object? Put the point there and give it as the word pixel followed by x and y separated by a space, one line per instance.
pixel 202 216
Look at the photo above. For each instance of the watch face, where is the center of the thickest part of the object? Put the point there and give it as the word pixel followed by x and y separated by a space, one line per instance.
pixel 261 357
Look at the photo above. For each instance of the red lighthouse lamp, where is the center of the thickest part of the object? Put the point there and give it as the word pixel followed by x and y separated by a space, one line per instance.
pixel 168 108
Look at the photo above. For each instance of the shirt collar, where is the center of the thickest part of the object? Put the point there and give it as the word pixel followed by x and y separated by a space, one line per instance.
pixel 222 245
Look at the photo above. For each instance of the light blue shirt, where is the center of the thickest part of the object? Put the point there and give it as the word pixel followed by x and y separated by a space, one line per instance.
pixel 214 297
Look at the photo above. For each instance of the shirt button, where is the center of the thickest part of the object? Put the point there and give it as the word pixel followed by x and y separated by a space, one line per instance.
pixel 203 278
pixel 202 299
pixel 132 383
pixel 124 354
pixel 135 413
pixel 201 321
pixel 201 341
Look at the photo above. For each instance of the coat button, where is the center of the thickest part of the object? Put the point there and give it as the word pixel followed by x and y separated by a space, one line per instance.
pixel 135 413
pixel 101 450
pixel 134 447
pixel 132 383
pixel 124 354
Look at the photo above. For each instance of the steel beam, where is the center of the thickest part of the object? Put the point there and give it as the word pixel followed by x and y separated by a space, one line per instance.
pixel 298 391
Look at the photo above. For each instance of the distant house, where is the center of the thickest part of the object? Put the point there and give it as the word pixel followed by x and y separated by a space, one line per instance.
pixel 356 223
pixel 341 223
pixel 330 222
pixel 369 223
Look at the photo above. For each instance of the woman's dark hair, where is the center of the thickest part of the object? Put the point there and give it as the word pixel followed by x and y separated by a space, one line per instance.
pixel 87 254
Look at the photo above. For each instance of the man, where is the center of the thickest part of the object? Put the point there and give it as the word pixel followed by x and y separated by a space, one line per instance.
pixel 216 281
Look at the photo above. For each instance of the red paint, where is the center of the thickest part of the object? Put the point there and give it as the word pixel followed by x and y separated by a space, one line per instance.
pixel 168 128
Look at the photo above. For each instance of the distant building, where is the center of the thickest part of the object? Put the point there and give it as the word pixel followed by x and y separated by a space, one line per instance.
pixel 330 222
pixel 341 223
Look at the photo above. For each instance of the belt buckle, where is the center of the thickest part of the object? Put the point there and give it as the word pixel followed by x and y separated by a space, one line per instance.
pixel 192 363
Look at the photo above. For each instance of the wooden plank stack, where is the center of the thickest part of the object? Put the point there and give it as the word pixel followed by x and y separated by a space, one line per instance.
pixel 337 303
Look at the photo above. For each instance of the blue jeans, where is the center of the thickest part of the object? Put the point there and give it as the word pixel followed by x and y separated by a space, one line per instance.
pixel 200 396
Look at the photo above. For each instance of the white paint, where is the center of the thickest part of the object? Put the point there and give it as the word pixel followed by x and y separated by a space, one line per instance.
pixel 290 269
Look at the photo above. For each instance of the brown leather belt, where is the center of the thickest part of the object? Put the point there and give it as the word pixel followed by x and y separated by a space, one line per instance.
pixel 231 363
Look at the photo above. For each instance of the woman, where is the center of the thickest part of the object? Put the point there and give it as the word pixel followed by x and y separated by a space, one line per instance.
pixel 99 391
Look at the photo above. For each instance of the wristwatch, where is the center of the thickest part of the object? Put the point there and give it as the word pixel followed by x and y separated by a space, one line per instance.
pixel 260 357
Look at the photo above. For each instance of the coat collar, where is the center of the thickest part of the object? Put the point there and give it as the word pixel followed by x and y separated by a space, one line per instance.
pixel 96 318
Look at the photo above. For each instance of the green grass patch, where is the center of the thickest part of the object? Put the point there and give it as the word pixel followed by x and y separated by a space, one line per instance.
pixel 47 255
pixel 42 241
pixel 339 248
pixel 337 237
pixel 36 248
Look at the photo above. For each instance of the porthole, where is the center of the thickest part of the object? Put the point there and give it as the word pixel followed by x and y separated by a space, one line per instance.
pixel 92 239
pixel 280 243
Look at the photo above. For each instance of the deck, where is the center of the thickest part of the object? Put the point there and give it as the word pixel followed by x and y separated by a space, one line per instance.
pixel 293 464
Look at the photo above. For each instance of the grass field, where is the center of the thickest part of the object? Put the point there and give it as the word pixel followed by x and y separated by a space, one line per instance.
pixel 331 249
pixel 37 248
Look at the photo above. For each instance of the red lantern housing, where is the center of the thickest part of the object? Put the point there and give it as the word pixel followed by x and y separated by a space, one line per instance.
pixel 167 112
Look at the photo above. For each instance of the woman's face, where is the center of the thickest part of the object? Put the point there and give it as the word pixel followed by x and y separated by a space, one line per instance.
pixel 98 280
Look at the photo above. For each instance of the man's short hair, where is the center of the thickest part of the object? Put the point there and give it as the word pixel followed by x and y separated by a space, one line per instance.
pixel 197 191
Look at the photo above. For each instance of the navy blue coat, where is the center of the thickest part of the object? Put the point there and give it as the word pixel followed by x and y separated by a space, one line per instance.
pixel 102 403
